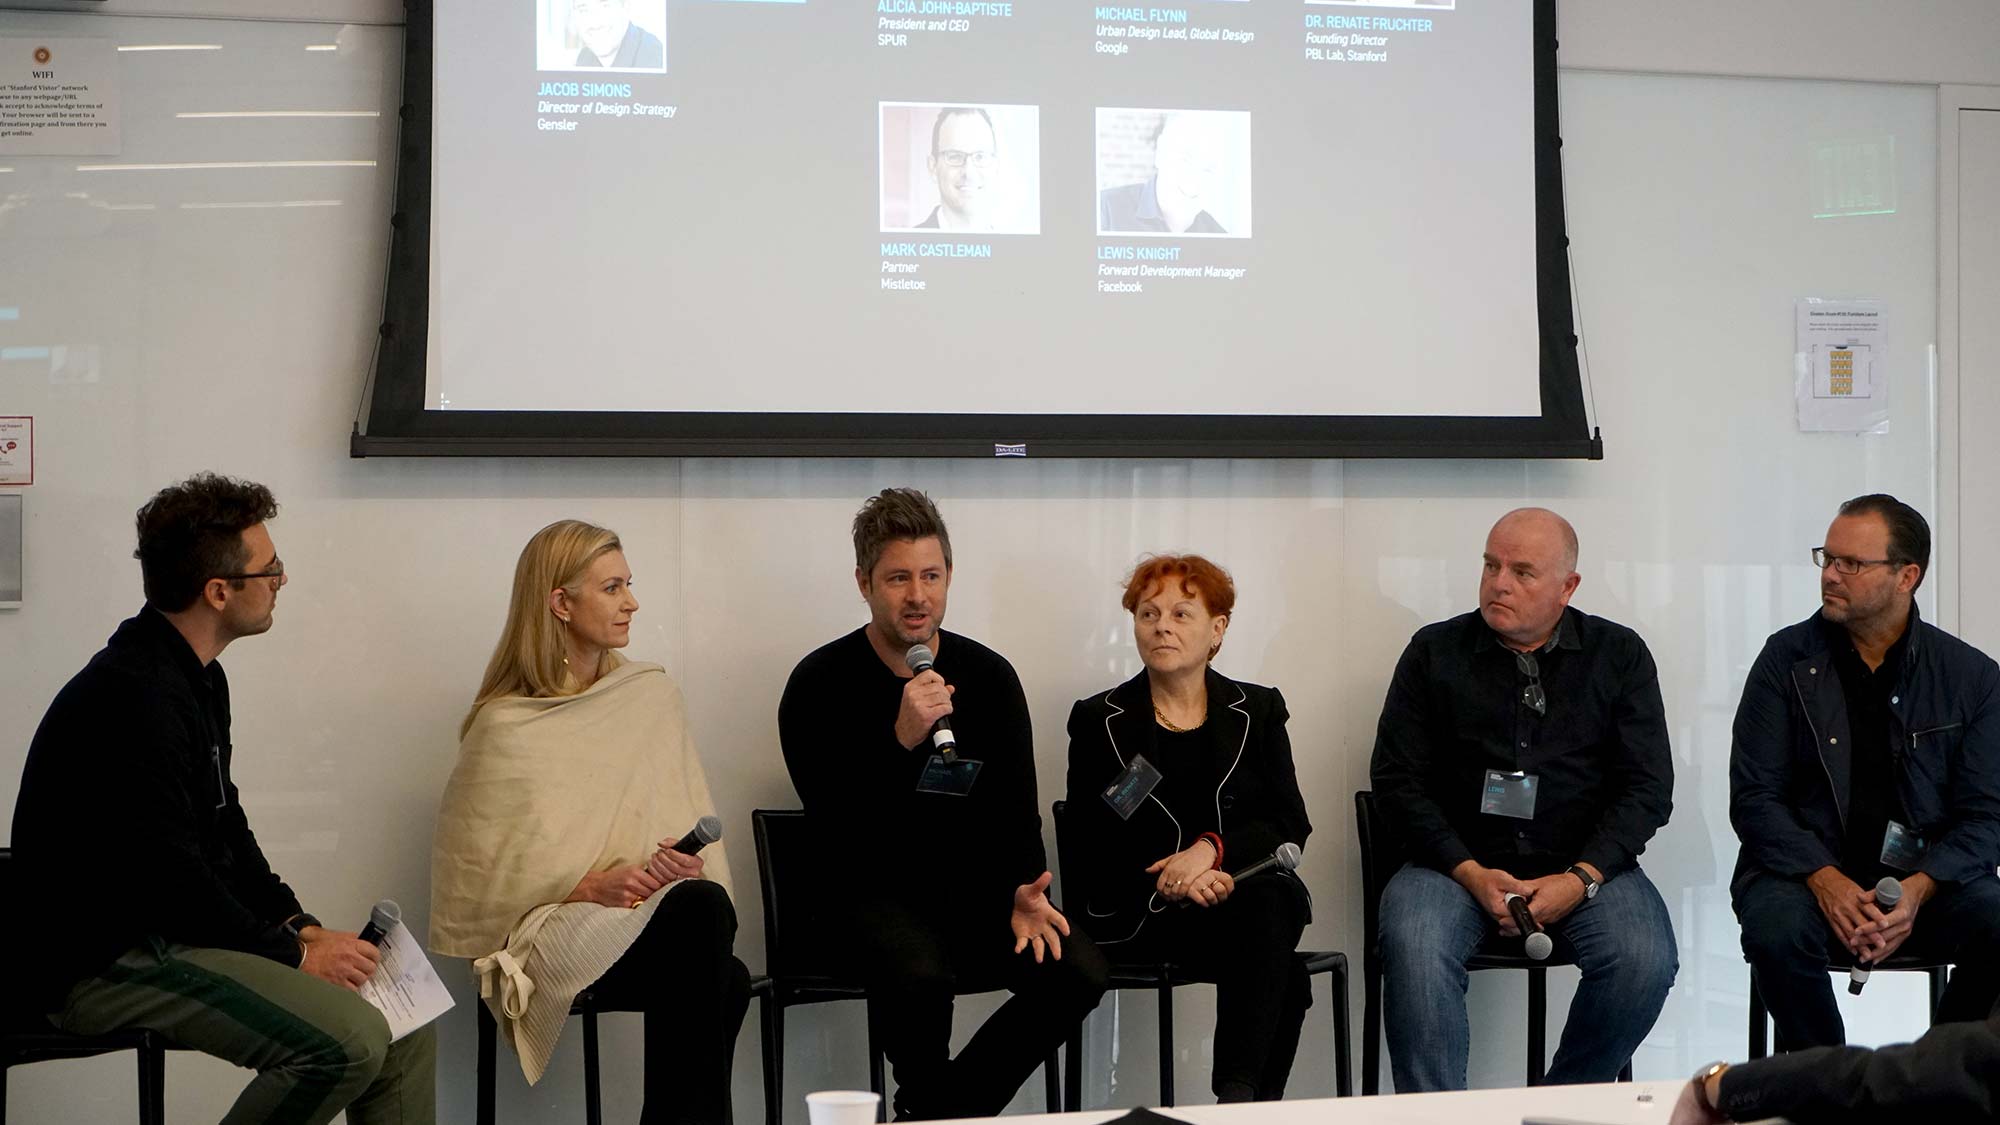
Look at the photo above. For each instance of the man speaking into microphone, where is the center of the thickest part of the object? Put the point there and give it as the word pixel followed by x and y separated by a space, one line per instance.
pixel 1867 748
pixel 951 893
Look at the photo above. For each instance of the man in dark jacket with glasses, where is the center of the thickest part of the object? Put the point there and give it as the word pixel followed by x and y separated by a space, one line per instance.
pixel 1867 751
pixel 1523 752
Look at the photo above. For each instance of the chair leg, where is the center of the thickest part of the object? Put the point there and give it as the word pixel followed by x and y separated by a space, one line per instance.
pixel 1625 1072
pixel 1938 981
pixel 1538 1025
pixel 1343 1047
pixel 1166 1040
pixel 878 1078
pixel 483 1103
pixel 1371 1030
pixel 1072 1071
pixel 1760 1022
pixel 593 1093
pixel 772 1017
pixel 1052 1085
pixel 152 1084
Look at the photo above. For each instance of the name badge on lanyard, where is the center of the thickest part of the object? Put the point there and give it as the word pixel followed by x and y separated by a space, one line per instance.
pixel 1509 794
pixel 1902 849
pixel 953 778
pixel 1133 785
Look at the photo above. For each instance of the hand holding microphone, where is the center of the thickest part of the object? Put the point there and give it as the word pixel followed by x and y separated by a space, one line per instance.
pixel 1537 944
pixel 1888 893
pixel 1212 888
pixel 680 859
pixel 925 710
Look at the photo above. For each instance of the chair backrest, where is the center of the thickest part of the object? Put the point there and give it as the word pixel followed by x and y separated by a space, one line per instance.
pixel 1059 812
pixel 1381 855
pixel 784 852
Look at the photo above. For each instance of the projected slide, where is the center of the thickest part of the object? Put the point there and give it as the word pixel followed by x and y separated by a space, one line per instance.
pixel 988 207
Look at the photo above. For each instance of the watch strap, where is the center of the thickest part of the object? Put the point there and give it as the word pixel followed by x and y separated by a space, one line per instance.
pixel 1590 885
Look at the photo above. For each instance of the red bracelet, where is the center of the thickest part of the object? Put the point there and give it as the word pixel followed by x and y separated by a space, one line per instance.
pixel 1216 841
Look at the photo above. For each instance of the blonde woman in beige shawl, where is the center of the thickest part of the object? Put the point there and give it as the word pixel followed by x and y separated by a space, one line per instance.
pixel 554 869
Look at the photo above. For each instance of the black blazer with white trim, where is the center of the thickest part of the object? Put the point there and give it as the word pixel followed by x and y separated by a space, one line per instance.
pixel 1257 800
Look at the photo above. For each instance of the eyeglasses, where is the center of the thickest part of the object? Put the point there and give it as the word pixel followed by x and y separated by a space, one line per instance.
pixel 272 573
pixel 1844 565
pixel 1531 692
pixel 959 158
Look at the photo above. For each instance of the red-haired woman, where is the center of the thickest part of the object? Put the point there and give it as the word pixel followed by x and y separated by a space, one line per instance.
pixel 1178 777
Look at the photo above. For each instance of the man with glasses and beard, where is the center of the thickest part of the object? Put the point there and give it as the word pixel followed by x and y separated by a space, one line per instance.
pixel 936 881
pixel 1523 751
pixel 153 905
pixel 1867 748
pixel 964 160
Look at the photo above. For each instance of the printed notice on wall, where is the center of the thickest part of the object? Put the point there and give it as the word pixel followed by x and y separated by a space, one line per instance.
pixel 1840 368
pixel 17 450
pixel 58 97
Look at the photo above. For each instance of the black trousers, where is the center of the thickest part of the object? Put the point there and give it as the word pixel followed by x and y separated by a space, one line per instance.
pixel 694 993
pixel 1788 943
pixel 1246 946
pixel 915 958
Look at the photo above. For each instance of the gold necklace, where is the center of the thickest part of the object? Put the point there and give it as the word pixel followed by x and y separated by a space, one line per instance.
pixel 1169 723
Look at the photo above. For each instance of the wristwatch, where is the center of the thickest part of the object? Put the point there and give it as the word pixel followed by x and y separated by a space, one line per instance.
pixel 1590 885
pixel 298 922
pixel 291 927
pixel 1701 1079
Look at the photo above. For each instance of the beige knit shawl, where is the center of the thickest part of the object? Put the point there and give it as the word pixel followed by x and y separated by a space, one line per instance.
pixel 546 790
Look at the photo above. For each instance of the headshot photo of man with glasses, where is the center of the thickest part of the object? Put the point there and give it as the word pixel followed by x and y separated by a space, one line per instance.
pixel 964 168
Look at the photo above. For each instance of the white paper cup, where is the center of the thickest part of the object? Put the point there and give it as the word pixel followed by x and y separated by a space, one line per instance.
pixel 842 1107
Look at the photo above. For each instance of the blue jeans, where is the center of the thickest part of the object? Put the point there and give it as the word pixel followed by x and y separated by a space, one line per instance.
pixel 1622 940
pixel 1789 943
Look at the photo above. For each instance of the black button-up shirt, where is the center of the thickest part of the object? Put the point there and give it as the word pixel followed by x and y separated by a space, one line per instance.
pixel 1456 709
pixel 1872 771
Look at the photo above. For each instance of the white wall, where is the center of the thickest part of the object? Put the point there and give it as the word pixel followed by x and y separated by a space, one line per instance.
pixel 235 340
pixel 1921 41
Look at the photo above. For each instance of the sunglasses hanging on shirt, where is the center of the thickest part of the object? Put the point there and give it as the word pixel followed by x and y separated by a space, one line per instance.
pixel 1531 692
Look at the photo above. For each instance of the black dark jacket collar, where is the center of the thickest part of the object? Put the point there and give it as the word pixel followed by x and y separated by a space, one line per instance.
pixel 150 630
pixel 1834 640
pixel 1134 730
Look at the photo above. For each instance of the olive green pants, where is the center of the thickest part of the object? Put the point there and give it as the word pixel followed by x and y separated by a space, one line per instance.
pixel 317 1048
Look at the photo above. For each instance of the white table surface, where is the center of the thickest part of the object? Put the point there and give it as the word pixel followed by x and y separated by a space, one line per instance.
pixel 1610 1103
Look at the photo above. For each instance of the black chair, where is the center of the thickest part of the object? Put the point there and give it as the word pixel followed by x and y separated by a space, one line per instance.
pixel 588 1005
pixel 27 1037
pixel 799 971
pixel 1163 978
pixel 1760 1016
pixel 1381 856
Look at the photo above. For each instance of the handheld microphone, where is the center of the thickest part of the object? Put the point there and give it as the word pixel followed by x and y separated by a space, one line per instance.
pixel 1888 893
pixel 920 659
pixel 1538 944
pixel 706 831
pixel 381 920
pixel 1286 858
